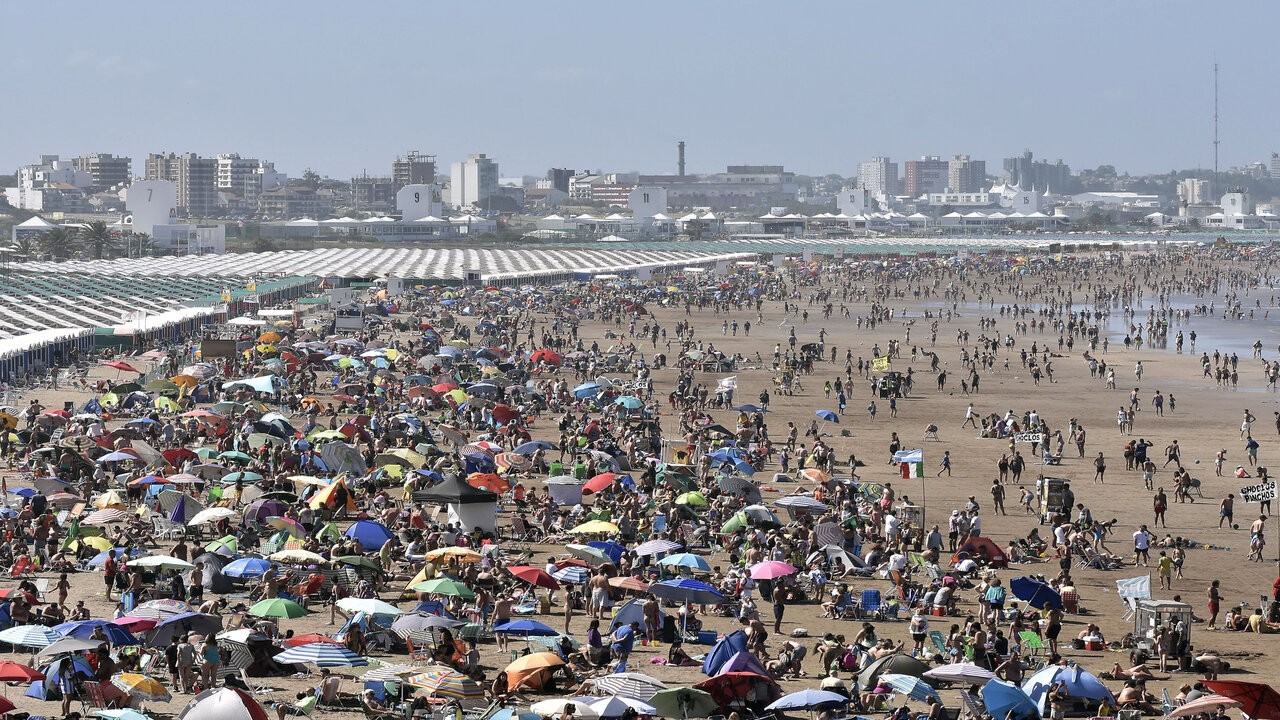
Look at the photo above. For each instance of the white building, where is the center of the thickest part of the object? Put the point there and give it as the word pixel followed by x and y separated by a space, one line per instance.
pixel 51 185
pixel 473 181
pixel 960 199
pixel 855 201
pixel 247 177
pixel 647 201
pixel 879 177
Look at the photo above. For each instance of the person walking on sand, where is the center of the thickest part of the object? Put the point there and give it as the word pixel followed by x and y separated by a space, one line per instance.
pixel 1159 504
pixel 1079 434
pixel 945 464
pixel 1142 546
pixel 1100 469
pixel 1215 605
pixel 970 417
pixel 1226 510
pixel 1247 423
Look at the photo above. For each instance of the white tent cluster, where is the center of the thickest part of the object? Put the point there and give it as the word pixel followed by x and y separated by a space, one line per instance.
pixel 442 264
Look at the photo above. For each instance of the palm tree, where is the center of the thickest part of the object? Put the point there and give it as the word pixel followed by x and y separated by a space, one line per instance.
pixel 59 241
pixel 98 237
pixel 25 248
pixel 146 244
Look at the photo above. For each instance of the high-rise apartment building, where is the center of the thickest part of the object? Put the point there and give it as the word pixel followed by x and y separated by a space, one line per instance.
pixel 196 178
pixel 927 175
pixel 879 177
pixel 105 170
pixel 965 175
pixel 247 178
pixel 473 181
pixel 1027 172
pixel 559 178
pixel 414 169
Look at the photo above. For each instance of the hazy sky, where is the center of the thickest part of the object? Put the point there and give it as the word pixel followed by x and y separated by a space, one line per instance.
pixel 817 86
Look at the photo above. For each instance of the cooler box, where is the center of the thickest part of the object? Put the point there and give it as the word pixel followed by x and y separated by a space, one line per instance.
pixel 707 637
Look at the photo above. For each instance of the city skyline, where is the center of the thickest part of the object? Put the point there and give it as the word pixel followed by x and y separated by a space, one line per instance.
pixel 819 91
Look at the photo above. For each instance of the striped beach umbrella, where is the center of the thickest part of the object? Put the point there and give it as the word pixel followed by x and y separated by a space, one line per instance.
pixel 572 574
pixel 653 547
pixel 105 517
pixel 35 636
pixel 449 684
pixel 321 655
pixel 629 684
pixel 909 685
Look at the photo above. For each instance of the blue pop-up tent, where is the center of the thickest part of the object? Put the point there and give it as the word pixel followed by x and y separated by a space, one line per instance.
pixel 725 648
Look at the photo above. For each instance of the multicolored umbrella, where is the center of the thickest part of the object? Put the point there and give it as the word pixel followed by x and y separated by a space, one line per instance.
pixel 140 686
pixel 909 685
pixel 447 683
pixel 321 655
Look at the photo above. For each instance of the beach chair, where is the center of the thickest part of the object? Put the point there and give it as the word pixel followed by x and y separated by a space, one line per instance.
pixel 939 642
pixel 870 603
pixel 1130 608
pixel 1030 640
pixel 92 697
pixel 931 433
pixel 260 690
pixel 305 706
pixel 417 653
pixel 1167 704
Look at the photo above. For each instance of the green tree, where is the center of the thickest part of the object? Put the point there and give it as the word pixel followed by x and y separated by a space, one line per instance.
pixel 25 248
pixel 98 238
pixel 61 242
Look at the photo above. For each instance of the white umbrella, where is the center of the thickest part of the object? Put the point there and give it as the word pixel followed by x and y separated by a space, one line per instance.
pixel 160 562
pixel 370 606
pixel 555 708
pixel 615 706
pixel 629 684
pixel 29 635
pixel 212 514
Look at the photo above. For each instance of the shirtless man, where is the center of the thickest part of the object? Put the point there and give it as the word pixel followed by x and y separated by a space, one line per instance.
pixel 599 586
pixel 502 615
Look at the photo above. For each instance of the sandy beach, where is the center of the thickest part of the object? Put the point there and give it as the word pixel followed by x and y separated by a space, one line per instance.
pixel 1206 419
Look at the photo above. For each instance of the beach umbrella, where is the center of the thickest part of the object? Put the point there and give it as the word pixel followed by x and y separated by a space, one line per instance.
pixel 828 416
pixel 534 576
pixel 1257 700
pixel 226 546
pixel 223 703
pixel 444 586
pixel 616 705
pixel 16 672
pixel 683 702
pixel 289 526
pixel 524 628
pixel 1007 701
pixel 450 684
pixel 84 629
pixel 161 562
pixel 802 502
pixel 308 638
pixel 771 570
pixel 321 654
pixel 105 517
pixel 595 527
pixel 655 547
pixel 1037 593
pixel 593 555
pixel 67 646
pixel 140 686
pixel 162 609
pixel 965 673
pixel 278 608
pixel 572 574
pixel 695 499
pixel 533 446
pixel 181 624
pixel 687 591
pixel 418 624
pixel 369 606
pixel 297 556
pixel 211 515
pixel 598 483
pixel 1203 705
pixel 627 684
pixel 372 535
pixel 686 560
pixel 909 685
pixel 630 582
pixel 135 624
pixel 458 554
pixel 807 699
pixel 555 707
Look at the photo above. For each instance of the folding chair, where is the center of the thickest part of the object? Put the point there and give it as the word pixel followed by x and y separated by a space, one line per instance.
pixel 416 653
pixel 939 642
pixel 931 433
pixel 1030 640
pixel 870 603
pixel 259 689
pixel 1167 705
pixel 92 697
